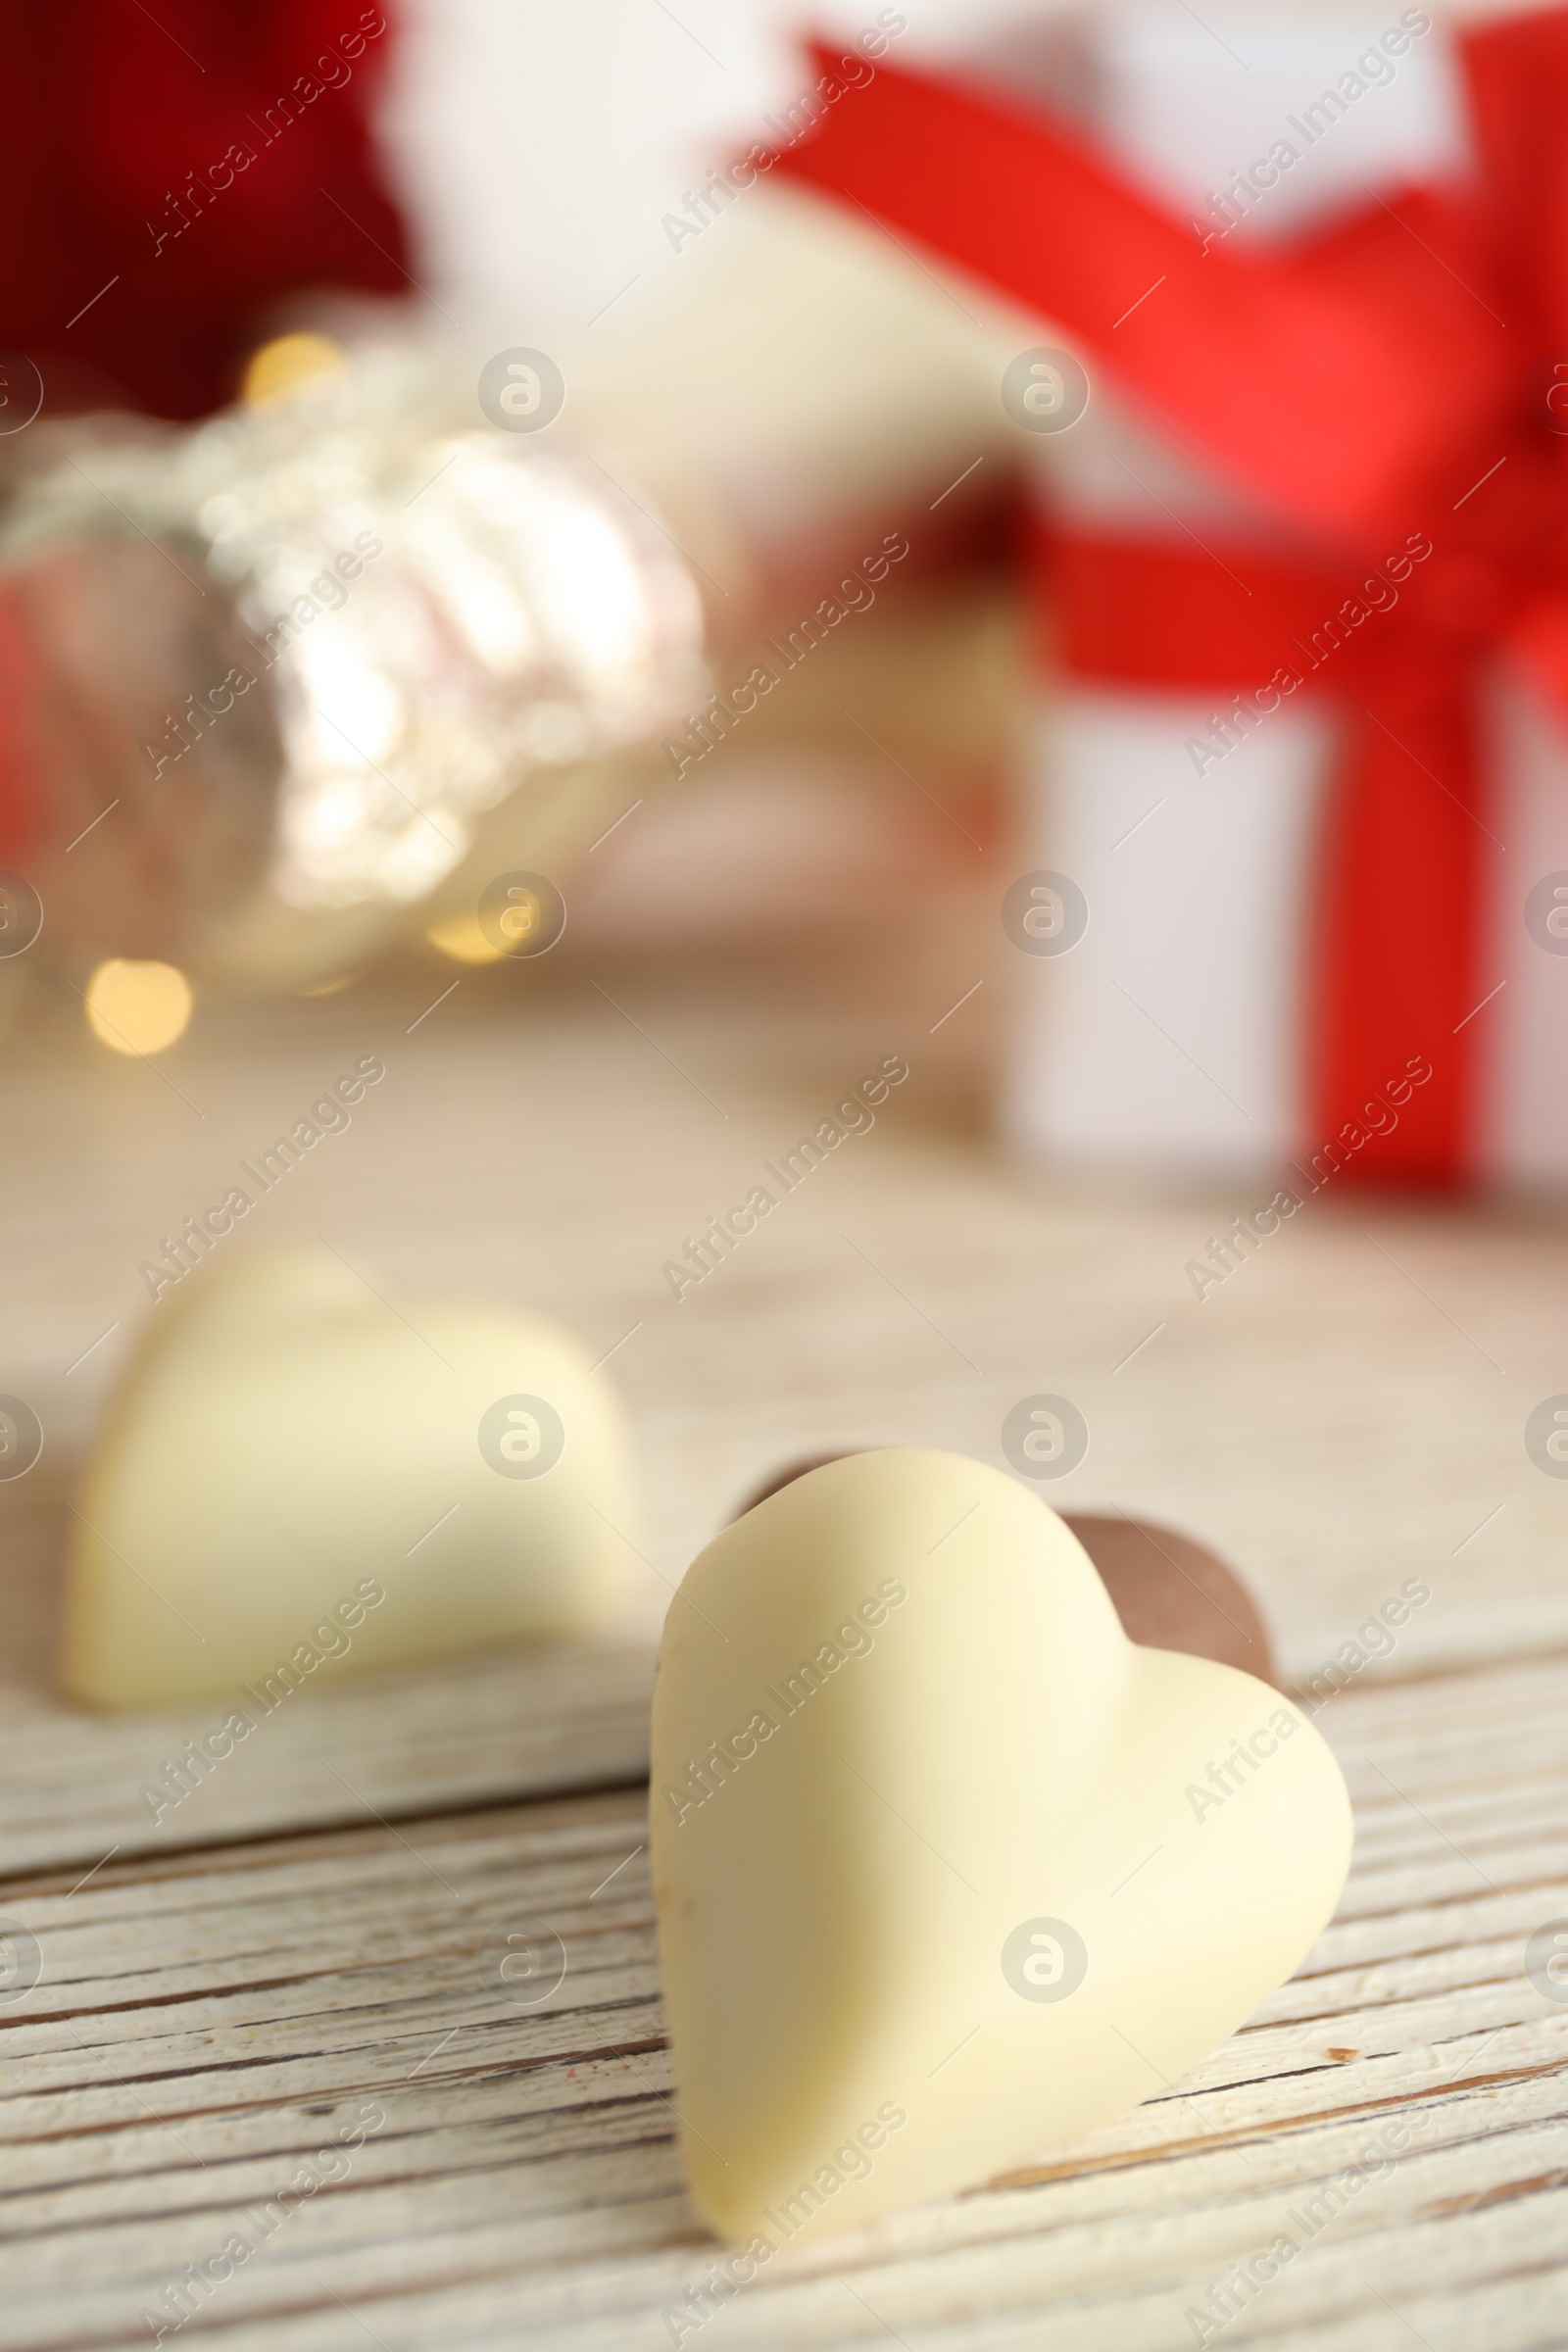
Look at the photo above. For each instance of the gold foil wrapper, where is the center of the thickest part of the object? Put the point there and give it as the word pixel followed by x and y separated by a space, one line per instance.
pixel 312 648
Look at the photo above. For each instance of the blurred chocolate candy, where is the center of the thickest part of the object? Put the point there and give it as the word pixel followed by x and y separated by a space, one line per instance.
pixel 1172 1594
pixel 1169 1592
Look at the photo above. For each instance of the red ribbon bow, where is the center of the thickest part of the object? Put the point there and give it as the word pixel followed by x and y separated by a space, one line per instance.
pixel 1380 382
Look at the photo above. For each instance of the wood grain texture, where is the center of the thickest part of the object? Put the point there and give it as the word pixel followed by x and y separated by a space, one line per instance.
pixel 559 1717
pixel 205 2022
pixel 1345 1412
pixel 314 1927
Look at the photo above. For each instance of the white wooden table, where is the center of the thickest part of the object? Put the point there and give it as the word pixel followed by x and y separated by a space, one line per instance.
pixel 299 1944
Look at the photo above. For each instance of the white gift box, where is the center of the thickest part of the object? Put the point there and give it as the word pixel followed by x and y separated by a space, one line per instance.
pixel 1170 1038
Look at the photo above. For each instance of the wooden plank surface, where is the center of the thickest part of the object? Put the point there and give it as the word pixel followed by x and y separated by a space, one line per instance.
pixel 560 1717
pixel 203 2023
pixel 1345 1412
pixel 314 1927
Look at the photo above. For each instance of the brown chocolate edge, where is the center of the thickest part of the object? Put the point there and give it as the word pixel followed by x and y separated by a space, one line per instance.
pixel 1170 1592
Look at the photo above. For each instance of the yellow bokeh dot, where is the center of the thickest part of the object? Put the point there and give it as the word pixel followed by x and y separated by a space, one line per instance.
pixel 463 940
pixel 138 1008
pixel 280 368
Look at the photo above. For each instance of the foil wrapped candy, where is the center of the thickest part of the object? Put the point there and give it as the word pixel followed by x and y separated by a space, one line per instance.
pixel 317 662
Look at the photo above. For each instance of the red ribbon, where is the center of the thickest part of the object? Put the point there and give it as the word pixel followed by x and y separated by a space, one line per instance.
pixel 1378 382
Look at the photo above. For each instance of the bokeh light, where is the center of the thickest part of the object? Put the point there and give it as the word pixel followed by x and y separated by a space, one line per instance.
pixel 463 940
pixel 278 369
pixel 138 1008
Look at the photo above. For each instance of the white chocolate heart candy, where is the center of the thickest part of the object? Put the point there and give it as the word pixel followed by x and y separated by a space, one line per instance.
pixel 949 1873
pixel 289 1446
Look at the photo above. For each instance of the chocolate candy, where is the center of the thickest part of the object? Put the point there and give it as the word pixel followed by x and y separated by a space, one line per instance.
pixel 949 1872
pixel 1169 1592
